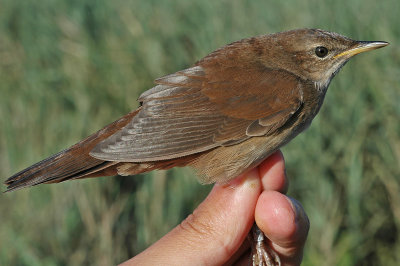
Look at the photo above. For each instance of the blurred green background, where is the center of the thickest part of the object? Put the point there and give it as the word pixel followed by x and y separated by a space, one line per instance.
pixel 69 67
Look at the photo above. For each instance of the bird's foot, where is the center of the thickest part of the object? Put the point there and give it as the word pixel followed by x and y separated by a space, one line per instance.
pixel 262 254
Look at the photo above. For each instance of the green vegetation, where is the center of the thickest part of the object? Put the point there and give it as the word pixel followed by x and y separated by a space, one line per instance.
pixel 67 68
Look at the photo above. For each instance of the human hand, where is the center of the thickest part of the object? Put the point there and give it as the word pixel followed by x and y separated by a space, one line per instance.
pixel 216 232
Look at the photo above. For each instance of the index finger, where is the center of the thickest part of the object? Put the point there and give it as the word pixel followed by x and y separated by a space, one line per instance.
pixel 273 174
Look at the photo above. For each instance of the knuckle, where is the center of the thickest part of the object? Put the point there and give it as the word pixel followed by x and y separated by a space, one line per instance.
pixel 201 231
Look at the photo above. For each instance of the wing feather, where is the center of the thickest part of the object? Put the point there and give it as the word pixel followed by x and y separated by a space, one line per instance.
pixel 199 108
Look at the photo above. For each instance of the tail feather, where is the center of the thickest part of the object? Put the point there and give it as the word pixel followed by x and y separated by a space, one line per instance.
pixel 74 162
pixel 57 168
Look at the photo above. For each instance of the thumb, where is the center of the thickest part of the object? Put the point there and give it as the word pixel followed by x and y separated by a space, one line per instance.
pixel 215 230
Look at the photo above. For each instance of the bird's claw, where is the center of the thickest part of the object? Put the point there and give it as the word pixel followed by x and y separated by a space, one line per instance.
pixel 262 254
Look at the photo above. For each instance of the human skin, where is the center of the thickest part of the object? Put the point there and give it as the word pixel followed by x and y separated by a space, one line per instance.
pixel 216 232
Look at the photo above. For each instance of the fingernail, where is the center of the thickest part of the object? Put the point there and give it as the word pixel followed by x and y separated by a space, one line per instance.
pixel 298 210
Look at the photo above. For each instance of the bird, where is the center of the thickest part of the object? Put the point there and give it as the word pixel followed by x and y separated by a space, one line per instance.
pixel 222 116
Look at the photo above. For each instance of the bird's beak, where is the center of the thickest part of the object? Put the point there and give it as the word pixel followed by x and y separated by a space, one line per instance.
pixel 361 47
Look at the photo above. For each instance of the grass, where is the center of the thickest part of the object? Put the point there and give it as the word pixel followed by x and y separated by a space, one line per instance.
pixel 67 68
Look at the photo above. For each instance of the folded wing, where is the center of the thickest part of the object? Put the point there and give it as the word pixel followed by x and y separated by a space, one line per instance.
pixel 203 107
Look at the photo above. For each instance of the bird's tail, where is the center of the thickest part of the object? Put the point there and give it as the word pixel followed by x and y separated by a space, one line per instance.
pixel 74 162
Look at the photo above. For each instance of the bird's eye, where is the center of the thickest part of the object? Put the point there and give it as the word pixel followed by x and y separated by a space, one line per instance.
pixel 321 51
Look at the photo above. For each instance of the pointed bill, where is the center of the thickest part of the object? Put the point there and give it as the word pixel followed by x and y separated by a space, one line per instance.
pixel 361 47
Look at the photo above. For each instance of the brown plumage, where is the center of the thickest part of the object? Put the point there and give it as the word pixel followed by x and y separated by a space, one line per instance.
pixel 222 116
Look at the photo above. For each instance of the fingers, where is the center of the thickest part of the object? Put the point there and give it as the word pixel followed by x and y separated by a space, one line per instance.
pixel 215 230
pixel 214 234
pixel 281 218
pixel 273 173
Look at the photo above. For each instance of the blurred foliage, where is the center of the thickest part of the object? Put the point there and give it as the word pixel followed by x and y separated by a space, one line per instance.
pixel 67 68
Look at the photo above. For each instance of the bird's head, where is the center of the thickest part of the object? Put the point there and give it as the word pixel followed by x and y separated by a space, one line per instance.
pixel 313 54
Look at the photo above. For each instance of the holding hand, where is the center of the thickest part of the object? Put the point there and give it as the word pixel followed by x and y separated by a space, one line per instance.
pixel 216 232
